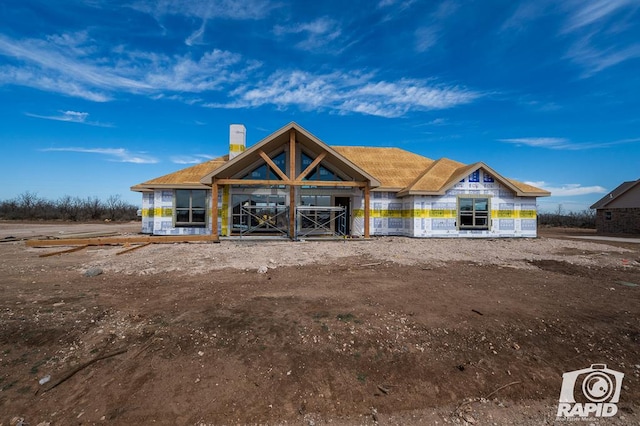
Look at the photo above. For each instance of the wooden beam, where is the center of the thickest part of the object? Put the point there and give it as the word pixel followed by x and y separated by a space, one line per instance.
pixel 273 165
pixel 154 239
pixel 254 182
pixel 292 154
pixel 292 211
pixel 292 189
pixel 367 213
pixel 64 251
pixel 214 208
pixel 132 249
pixel 311 166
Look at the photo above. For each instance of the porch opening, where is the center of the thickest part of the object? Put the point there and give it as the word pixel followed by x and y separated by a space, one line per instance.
pixel 317 221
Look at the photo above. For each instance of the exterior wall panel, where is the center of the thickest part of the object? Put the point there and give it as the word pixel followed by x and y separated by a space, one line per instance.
pixel 420 216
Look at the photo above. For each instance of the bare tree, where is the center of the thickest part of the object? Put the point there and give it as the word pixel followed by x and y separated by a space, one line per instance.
pixel 28 206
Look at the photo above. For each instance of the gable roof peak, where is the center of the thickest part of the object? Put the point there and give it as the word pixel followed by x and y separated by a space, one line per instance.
pixel 615 193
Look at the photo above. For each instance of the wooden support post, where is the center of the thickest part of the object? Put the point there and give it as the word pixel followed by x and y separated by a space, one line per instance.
pixel 214 209
pixel 292 189
pixel 292 212
pixel 367 214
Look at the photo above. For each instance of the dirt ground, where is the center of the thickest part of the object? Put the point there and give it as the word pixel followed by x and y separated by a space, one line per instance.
pixel 385 331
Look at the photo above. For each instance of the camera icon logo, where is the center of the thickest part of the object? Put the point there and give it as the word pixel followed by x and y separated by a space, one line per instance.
pixel 600 392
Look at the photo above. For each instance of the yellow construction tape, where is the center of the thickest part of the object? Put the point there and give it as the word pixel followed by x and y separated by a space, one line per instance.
pixel 224 210
pixel 163 212
pixel 442 214
pixel 236 148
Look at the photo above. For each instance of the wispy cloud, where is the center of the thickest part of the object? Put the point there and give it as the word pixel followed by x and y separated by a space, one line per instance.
pixel 600 33
pixel 592 12
pixel 399 4
pixel 316 33
pixel 568 190
pixel 595 59
pixel 434 27
pixel 120 155
pixel 71 65
pixel 553 143
pixel 191 159
pixel 64 64
pixel 525 13
pixel 566 144
pixel 206 9
pixel 426 37
pixel 197 36
pixel 71 117
pixel 598 26
pixel 349 93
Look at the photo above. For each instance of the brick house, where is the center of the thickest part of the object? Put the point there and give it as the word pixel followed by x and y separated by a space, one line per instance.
pixel 618 212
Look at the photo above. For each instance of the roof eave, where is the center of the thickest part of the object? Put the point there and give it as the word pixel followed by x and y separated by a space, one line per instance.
pixel 533 194
pixel 405 193
pixel 609 198
pixel 207 179
pixel 387 189
pixel 151 187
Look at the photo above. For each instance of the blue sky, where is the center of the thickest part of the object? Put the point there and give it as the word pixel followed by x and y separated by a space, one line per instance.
pixel 98 95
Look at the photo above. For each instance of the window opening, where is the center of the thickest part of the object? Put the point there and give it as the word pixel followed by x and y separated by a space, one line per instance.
pixel 473 213
pixel 191 207
pixel 264 172
pixel 320 172
pixel 259 213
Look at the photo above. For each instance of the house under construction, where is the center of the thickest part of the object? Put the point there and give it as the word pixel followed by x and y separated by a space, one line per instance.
pixel 293 185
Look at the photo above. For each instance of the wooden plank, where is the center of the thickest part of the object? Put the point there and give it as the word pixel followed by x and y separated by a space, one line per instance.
pixel 132 249
pixel 367 213
pixel 311 166
pixel 71 250
pixel 252 182
pixel 292 153
pixel 292 212
pixel 214 207
pixel 292 189
pixel 86 235
pixel 273 165
pixel 154 239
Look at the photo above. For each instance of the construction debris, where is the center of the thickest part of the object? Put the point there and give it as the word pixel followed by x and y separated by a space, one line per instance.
pixel 122 240
pixel 131 248
pixel 71 250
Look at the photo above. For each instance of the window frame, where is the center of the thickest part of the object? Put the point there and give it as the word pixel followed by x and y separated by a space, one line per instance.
pixel 191 223
pixel 474 214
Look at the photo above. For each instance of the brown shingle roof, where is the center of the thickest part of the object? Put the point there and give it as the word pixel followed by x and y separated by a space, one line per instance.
pixel 395 168
pixel 529 188
pixel 434 177
pixel 618 191
pixel 183 178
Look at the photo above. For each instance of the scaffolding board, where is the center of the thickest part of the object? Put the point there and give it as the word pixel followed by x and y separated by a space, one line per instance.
pixel 320 221
pixel 264 219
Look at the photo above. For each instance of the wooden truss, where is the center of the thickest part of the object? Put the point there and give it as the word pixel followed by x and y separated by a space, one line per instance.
pixel 290 180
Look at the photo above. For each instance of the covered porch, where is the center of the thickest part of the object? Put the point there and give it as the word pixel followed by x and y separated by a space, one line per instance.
pixel 290 185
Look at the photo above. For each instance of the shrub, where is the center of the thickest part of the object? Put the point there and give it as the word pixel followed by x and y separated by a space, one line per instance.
pixel 582 219
pixel 29 206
